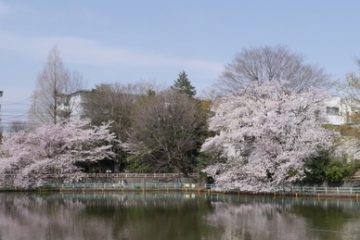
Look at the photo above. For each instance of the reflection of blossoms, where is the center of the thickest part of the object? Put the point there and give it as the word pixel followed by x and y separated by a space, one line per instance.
pixel 174 216
pixel 33 217
pixel 305 219
pixel 96 216
pixel 258 221
pixel 55 217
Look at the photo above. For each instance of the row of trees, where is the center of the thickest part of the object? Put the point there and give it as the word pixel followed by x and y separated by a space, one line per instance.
pixel 265 121
pixel 156 130
pixel 269 124
pixel 160 131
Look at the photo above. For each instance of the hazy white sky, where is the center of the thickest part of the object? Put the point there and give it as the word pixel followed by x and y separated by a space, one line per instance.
pixel 132 41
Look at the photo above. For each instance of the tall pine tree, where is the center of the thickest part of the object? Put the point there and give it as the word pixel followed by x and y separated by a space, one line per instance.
pixel 183 85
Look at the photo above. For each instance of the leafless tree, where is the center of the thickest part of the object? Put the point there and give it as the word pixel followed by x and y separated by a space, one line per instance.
pixel 165 133
pixel 351 86
pixel 115 103
pixel 351 89
pixel 17 126
pixel 53 83
pixel 271 64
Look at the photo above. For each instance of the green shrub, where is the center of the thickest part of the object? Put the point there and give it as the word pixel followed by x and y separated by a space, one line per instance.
pixel 205 159
pixel 323 167
pixel 315 167
pixel 336 171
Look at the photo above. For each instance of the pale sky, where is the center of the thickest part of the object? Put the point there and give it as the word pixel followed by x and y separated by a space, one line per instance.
pixel 152 41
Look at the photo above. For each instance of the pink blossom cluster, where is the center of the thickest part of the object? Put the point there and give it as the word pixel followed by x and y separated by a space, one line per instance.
pixel 264 134
pixel 53 149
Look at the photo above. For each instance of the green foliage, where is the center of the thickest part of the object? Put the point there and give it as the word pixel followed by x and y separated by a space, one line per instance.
pixel 137 164
pixel 203 109
pixel 336 171
pixel 322 167
pixel 205 159
pixel 292 172
pixel 167 131
pixel 315 167
pixel 202 178
pixel 183 85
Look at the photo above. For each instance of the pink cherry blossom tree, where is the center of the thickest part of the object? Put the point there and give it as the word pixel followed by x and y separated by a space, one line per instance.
pixel 264 135
pixel 53 149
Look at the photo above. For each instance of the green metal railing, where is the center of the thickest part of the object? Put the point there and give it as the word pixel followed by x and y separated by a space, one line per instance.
pixel 119 186
pixel 320 190
pixel 306 190
pixel 109 181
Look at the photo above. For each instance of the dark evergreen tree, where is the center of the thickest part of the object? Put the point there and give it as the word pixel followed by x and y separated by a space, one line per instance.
pixel 183 85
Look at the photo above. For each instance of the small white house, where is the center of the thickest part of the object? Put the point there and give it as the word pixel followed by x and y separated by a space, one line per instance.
pixel 339 110
pixel 72 105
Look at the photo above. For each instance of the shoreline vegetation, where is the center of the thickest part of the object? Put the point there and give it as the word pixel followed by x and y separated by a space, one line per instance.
pixel 260 133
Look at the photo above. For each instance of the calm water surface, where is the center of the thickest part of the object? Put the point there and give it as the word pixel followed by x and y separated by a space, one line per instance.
pixel 172 216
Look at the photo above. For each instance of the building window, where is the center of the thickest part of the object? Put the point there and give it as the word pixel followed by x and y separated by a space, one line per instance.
pixel 332 110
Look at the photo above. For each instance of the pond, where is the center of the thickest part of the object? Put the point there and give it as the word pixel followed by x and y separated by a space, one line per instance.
pixel 156 215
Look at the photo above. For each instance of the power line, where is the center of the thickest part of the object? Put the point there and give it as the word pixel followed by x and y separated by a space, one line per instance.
pixel 19 101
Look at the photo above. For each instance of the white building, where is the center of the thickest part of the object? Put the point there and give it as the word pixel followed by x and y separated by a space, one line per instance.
pixel 339 110
pixel 72 105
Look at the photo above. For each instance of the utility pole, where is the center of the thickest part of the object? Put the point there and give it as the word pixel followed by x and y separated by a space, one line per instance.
pixel 1 128
pixel 1 94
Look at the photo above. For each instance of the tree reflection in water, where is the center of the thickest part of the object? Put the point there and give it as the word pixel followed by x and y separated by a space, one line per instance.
pixel 287 219
pixel 173 216
pixel 103 216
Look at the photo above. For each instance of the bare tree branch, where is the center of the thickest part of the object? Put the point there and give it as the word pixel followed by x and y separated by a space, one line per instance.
pixel 53 83
pixel 271 64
